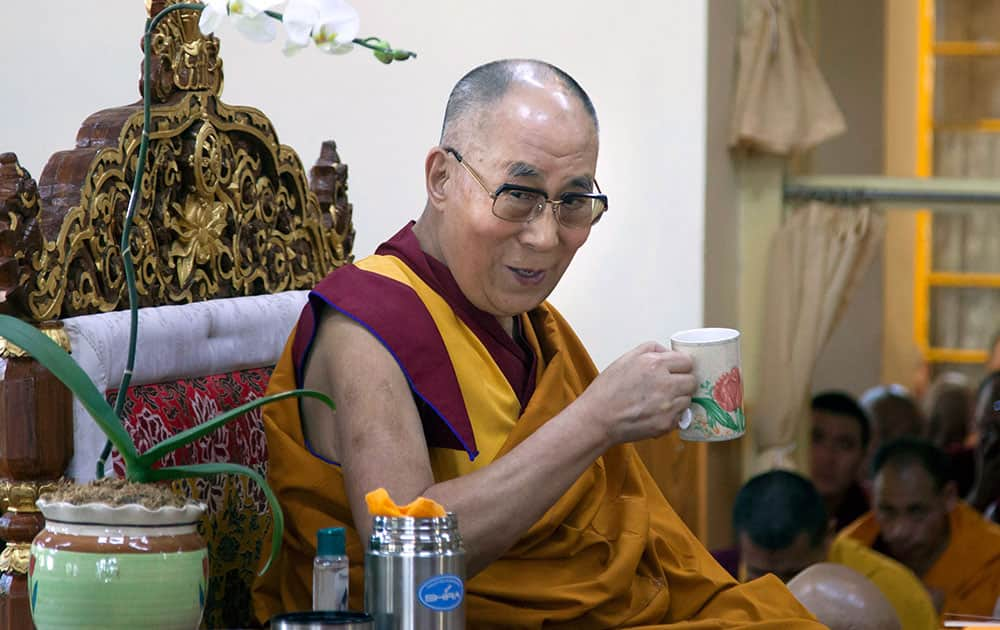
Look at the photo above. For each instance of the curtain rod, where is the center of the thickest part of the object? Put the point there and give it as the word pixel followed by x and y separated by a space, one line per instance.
pixel 849 189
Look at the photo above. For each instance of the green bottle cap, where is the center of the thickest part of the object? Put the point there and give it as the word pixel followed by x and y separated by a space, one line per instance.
pixel 330 542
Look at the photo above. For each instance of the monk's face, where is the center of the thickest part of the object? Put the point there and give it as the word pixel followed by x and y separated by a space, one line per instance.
pixel 538 136
pixel 785 563
pixel 836 453
pixel 912 514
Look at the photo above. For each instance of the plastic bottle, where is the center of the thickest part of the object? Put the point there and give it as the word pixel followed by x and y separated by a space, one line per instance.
pixel 330 570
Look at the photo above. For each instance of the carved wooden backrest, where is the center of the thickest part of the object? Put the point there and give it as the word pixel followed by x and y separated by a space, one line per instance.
pixel 225 211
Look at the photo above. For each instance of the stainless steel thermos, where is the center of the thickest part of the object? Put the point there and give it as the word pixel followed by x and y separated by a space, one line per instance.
pixel 415 574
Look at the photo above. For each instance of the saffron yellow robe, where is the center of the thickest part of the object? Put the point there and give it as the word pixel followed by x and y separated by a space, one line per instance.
pixel 610 553
pixel 901 587
pixel 968 571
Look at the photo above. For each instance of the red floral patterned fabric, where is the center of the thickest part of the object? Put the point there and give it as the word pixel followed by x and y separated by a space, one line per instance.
pixel 237 519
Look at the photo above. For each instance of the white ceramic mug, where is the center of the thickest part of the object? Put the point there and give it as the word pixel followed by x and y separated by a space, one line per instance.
pixel 716 411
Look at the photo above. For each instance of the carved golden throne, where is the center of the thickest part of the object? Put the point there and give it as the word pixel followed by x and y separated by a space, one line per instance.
pixel 228 235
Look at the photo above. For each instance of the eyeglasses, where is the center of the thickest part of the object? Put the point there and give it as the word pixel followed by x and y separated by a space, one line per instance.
pixel 522 204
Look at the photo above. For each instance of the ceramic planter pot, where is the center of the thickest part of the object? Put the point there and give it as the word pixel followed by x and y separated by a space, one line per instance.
pixel 96 566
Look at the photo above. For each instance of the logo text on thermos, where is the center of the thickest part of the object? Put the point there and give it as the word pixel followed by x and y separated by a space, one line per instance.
pixel 442 592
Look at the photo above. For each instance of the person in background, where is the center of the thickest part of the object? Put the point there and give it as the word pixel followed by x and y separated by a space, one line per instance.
pixel 985 495
pixel 782 528
pixel 843 599
pixel 948 407
pixel 893 413
pixel 918 520
pixel 840 436
pixel 456 380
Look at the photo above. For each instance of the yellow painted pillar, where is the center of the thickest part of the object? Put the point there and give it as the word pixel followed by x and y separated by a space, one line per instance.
pixel 906 118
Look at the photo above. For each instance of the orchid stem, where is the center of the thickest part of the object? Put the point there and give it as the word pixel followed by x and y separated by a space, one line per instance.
pixel 133 202
pixel 135 196
pixel 374 43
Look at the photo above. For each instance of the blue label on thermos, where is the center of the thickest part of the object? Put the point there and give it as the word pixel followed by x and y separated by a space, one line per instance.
pixel 441 592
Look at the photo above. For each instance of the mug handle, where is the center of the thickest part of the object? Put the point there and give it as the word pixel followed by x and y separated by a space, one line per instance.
pixel 687 416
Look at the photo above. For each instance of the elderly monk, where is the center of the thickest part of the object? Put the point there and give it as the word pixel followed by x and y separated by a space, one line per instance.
pixel 456 380
pixel 844 599
pixel 782 528
pixel 917 519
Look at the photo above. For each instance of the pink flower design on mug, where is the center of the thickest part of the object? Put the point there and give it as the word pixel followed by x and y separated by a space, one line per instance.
pixel 728 390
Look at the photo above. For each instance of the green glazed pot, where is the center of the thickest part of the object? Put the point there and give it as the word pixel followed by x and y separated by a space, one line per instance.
pixel 95 566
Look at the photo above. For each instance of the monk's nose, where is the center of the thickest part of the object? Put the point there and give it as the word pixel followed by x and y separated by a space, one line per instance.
pixel 542 232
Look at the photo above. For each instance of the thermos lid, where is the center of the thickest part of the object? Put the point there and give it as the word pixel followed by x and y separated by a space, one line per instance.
pixel 330 542
pixel 322 620
pixel 404 534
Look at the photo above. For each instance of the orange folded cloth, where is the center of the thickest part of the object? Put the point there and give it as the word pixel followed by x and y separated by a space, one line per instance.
pixel 381 504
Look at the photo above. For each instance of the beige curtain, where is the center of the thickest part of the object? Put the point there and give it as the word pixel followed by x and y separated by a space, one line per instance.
pixel 783 104
pixel 817 259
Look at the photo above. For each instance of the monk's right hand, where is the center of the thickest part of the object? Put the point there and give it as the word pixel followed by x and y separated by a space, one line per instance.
pixel 642 394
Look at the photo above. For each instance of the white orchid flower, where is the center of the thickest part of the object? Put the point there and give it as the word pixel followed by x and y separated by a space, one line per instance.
pixel 331 24
pixel 248 17
pixel 212 15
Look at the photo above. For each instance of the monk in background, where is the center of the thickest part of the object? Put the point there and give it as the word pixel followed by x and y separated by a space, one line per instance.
pixel 843 599
pixel 918 520
pixel 948 407
pixel 456 380
pixel 894 413
pixel 840 435
pixel 783 529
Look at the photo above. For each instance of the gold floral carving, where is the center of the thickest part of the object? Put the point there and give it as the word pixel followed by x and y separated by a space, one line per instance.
pixel 15 558
pixel 225 211
pixel 4 495
pixel 52 330
pixel 183 59
pixel 22 495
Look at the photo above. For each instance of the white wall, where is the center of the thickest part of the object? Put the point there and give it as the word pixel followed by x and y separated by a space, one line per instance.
pixel 643 63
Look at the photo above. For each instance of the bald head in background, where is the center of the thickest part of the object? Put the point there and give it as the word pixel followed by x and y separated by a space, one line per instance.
pixel 843 599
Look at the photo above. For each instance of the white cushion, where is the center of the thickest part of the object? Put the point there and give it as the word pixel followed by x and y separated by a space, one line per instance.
pixel 175 342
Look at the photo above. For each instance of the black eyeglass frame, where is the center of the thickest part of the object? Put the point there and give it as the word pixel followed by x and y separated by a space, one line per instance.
pixel 556 203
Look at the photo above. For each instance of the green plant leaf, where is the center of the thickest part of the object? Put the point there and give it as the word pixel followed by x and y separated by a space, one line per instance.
pixel 741 420
pixel 715 413
pixel 63 367
pixel 174 442
pixel 222 468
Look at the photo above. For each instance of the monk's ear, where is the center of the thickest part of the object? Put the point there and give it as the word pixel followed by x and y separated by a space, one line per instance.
pixel 949 491
pixel 436 175
pixel 831 533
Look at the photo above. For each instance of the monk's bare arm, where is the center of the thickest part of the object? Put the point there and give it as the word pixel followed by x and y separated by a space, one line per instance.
pixel 378 438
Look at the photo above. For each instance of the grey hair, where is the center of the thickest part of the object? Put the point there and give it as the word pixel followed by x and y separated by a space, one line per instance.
pixel 488 83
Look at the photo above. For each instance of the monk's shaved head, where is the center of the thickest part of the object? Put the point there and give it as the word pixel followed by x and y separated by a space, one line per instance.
pixel 843 599
pixel 486 85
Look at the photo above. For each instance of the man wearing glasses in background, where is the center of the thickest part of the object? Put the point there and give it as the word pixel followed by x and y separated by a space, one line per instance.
pixel 454 379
